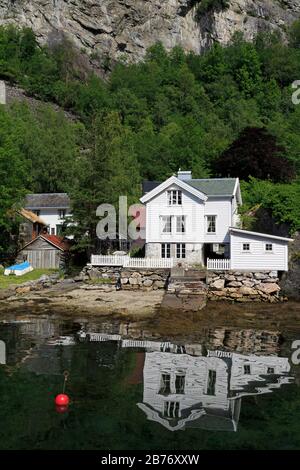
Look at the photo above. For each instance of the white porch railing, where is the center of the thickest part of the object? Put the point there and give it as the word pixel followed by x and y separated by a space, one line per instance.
pixel 218 264
pixel 127 261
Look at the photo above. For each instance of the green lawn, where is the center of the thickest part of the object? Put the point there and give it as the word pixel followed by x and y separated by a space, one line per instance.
pixel 6 281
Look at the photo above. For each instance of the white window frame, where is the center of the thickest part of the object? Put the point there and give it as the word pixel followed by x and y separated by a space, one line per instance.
pixel 242 247
pixel 171 405
pixel 272 249
pixel 180 223
pixel 62 213
pixel 181 248
pixel 207 224
pixel 207 382
pixel 164 223
pixel 163 387
pixel 173 197
pixel 183 384
pixel 164 249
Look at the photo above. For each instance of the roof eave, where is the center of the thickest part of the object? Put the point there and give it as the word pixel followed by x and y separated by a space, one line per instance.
pixel 267 235
pixel 237 191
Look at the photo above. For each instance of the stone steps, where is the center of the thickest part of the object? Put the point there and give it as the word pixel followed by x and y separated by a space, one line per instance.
pixel 188 287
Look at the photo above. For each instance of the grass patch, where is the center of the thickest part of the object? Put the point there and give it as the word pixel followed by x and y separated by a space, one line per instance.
pixel 7 281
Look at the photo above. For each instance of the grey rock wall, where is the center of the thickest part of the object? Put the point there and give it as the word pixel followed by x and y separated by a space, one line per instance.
pixel 126 28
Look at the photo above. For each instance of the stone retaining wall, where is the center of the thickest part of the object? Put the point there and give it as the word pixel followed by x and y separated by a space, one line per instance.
pixel 130 278
pixel 244 286
pixel 220 285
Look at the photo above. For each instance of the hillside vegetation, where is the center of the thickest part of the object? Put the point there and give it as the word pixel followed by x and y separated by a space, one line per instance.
pixel 173 110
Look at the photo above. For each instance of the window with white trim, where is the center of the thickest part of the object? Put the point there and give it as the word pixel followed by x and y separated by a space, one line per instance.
pixel 246 246
pixel 180 384
pixel 174 197
pixel 166 224
pixel 211 382
pixel 180 250
pixel 171 409
pixel 61 213
pixel 247 369
pixel 269 247
pixel 165 384
pixel 180 223
pixel 211 223
pixel 166 250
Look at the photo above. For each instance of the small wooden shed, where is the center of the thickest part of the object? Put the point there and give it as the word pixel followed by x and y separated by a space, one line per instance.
pixel 45 252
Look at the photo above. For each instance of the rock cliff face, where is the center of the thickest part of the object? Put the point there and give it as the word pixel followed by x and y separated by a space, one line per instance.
pixel 126 28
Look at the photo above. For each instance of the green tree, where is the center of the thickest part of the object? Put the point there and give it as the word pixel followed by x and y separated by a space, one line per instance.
pixel 52 153
pixel 255 153
pixel 14 180
pixel 107 169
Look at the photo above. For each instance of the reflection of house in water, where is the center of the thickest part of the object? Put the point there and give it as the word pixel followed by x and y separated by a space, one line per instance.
pixel 184 388
pixel 183 385
pixel 196 391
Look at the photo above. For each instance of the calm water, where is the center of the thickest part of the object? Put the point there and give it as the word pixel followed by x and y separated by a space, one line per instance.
pixel 223 388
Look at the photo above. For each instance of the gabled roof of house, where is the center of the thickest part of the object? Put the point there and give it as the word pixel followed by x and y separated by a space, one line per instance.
pixel 259 234
pixel 214 186
pixel 173 181
pixel 31 216
pixel 208 187
pixel 147 186
pixel 58 242
pixel 47 200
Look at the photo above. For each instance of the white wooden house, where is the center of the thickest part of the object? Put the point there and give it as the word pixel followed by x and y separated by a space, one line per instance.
pixel 196 220
pixel 52 208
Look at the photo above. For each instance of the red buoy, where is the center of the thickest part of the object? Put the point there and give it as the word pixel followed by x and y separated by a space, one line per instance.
pixel 61 409
pixel 62 400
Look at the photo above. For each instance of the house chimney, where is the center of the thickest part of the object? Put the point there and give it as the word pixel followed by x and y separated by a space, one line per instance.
pixel 184 175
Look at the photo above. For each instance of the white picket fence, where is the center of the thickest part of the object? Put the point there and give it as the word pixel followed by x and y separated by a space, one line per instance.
pixel 128 262
pixel 218 264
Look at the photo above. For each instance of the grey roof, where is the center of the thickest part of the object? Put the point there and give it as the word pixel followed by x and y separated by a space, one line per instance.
pixel 210 187
pixel 51 200
pixel 147 186
pixel 214 186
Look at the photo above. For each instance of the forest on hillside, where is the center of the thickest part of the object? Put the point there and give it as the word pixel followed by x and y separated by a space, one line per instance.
pixel 228 112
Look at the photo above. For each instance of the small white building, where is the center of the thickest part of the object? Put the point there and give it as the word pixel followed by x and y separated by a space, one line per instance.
pixel 53 208
pixel 196 220
pixel 258 251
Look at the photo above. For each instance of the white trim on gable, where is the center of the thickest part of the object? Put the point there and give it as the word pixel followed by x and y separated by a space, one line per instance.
pixel 173 180
pixel 237 191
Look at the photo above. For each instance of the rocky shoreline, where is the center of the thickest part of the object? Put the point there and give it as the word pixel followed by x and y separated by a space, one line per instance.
pixel 113 291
